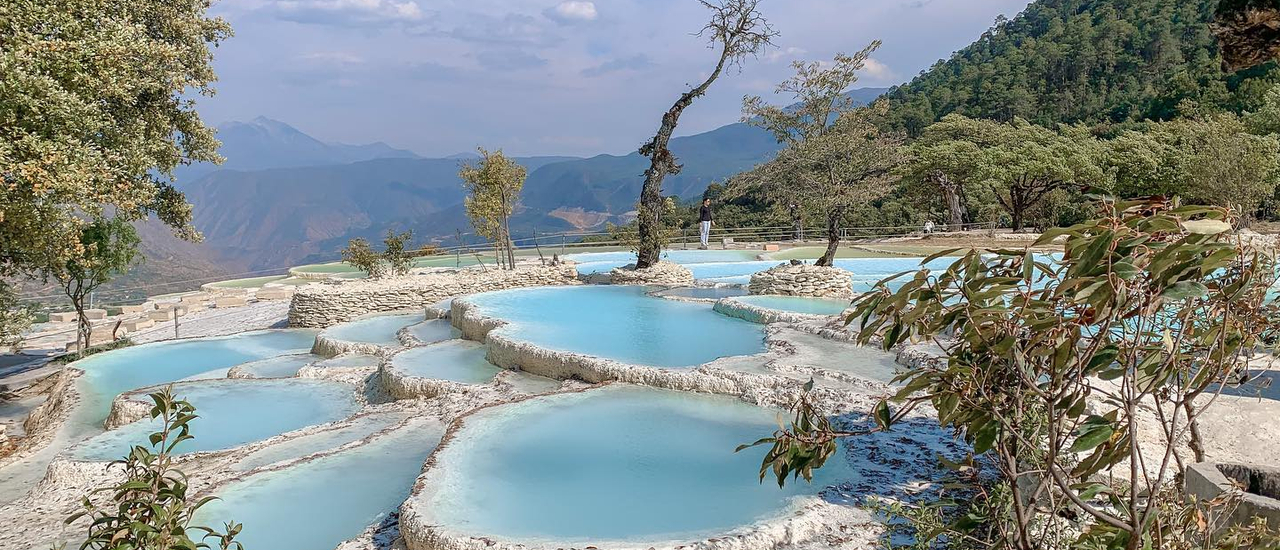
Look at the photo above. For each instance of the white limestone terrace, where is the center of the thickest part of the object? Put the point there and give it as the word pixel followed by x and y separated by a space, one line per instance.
pixel 324 305
pixel 743 308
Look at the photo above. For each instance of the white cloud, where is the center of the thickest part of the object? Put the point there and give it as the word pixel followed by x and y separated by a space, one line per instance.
pixel 878 71
pixel 572 11
pixel 335 58
pixel 348 12
pixel 788 54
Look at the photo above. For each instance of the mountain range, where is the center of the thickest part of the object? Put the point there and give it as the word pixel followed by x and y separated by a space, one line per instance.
pixel 283 198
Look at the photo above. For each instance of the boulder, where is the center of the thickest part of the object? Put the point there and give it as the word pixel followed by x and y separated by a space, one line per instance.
pixel 62 317
pixel 661 273
pixel 803 280
pixel 230 301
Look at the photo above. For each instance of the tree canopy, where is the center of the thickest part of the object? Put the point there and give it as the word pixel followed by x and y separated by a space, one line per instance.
pixel 1110 61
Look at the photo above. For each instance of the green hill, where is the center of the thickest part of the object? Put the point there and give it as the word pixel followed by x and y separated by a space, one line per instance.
pixel 1092 61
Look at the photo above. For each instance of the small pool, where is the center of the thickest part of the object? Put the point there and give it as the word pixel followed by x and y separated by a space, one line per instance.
pixel 284 366
pixel 234 412
pixel 456 360
pixel 798 304
pixel 647 465
pixel 620 323
pixel 601 262
pixel 380 330
pixel 355 430
pixel 350 360
pixel 435 330
pixel 318 504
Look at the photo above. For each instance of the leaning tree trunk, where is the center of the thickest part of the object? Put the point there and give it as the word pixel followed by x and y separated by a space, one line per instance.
pixel 833 238
pixel 83 329
pixel 661 163
pixel 797 229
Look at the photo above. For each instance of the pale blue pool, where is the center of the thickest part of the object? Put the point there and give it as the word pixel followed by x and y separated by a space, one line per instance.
pixel 380 330
pixel 798 304
pixel 318 504
pixel 457 360
pixel 109 374
pixel 619 463
pixel 600 262
pixel 234 412
pixel 355 430
pixel 284 366
pixel 621 323
pixel 435 330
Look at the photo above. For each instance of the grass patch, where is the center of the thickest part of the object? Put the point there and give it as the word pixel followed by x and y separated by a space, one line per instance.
pixel 92 350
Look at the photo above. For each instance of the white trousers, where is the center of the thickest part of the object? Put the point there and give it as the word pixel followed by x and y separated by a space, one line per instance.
pixel 706 232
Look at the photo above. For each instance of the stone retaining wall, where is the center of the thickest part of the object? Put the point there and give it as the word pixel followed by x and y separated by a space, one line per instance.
pixel 803 280
pixel 661 273
pixel 329 304
pixel 734 307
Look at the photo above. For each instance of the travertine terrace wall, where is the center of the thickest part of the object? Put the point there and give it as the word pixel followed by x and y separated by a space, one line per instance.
pixel 330 304
pixel 661 273
pixel 803 280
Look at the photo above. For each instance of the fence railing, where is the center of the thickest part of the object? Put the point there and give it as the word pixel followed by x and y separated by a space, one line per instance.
pixel 549 243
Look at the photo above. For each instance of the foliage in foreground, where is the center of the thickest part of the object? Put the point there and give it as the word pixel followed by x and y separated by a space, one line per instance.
pixel 150 509
pixel 1054 369
pixel 15 317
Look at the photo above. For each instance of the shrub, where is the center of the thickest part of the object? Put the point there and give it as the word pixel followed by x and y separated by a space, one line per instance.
pixel 1052 366
pixel 150 509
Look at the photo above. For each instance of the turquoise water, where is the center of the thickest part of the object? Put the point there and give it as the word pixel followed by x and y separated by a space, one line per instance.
pixel 798 304
pixel 284 366
pixel 621 323
pixel 234 412
pixel 619 463
pixel 380 330
pixel 704 293
pixel 109 374
pixel 457 360
pixel 435 330
pixel 600 262
pixel 318 504
pixel 357 429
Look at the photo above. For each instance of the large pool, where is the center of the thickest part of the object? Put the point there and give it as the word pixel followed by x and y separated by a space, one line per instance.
pixel 866 271
pixel 234 412
pixel 621 323
pixel 601 262
pixel 622 463
pixel 318 504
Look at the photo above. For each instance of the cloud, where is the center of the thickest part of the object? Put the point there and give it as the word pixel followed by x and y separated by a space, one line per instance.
pixel 633 63
pixel 332 58
pixel 876 70
pixel 348 13
pixel 512 28
pixel 788 54
pixel 572 11
pixel 509 60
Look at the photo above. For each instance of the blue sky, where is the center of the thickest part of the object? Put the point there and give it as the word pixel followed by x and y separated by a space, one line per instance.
pixel 575 77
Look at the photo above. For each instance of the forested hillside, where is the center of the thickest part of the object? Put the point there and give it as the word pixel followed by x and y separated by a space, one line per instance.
pixel 1091 61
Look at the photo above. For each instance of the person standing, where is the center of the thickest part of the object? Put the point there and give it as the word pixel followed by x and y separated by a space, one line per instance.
pixel 704 220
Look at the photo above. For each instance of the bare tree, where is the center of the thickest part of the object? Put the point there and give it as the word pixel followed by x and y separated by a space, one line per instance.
pixel 738 30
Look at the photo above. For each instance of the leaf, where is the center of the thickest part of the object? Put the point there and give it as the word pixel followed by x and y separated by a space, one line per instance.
pixel 1184 289
pixel 1093 432
pixel 1206 227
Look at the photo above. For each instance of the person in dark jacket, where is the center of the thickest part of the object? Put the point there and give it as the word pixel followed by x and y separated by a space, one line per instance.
pixel 705 221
